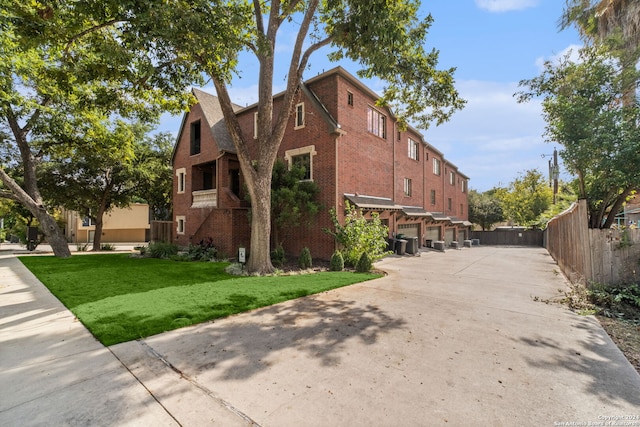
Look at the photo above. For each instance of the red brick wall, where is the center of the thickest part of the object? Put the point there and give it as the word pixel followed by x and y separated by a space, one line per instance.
pixel 367 165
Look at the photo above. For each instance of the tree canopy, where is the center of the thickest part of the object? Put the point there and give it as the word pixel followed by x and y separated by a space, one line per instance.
pixel 68 67
pixel 586 110
pixel 485 209
pixel 526 198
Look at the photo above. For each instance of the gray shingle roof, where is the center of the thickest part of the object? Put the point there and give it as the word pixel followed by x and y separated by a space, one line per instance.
pixel 215 119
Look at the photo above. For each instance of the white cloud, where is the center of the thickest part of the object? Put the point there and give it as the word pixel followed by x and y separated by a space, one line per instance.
pixel 572 51
pixel 494 138
pixel 505 5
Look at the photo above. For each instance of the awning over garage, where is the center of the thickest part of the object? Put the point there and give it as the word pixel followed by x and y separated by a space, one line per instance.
pixel 416 212
pixel 372 202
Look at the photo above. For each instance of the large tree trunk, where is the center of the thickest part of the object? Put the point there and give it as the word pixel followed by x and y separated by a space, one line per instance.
pixel 55 236
pixel 97 237
pixel 260 248
pixel 53 233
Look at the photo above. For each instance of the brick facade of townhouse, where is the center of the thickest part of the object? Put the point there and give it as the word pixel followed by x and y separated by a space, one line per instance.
pixel 355 152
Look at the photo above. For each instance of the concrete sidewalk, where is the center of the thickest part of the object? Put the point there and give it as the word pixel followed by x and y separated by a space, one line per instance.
pixel 453 338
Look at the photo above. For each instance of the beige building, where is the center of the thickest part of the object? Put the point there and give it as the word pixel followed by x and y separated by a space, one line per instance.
pixel 130 224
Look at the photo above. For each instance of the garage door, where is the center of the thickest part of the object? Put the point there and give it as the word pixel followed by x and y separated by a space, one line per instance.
pixel 409 230
pixel 448 235
pixel 432 234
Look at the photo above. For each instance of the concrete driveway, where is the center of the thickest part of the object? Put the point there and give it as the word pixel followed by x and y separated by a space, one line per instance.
pixel 455 338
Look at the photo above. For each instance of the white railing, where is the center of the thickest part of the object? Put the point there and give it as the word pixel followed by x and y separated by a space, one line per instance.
pixel 205 198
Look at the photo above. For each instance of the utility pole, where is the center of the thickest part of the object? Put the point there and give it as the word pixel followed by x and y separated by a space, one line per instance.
pixel 554 173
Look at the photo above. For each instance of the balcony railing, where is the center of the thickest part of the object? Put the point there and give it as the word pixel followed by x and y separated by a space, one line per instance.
pixel 205 199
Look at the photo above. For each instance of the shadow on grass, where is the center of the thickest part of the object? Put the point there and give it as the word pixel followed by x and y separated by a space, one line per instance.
pixel 242 346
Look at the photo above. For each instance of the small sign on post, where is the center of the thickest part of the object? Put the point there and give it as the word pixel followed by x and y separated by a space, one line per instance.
pixel 242 255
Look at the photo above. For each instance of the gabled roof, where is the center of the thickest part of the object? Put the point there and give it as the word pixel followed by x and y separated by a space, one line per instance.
pixel 212 112
pixel 215 119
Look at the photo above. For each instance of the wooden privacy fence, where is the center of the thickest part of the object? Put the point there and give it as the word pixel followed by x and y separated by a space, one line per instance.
pixel 162 231
pixel 604 256
pixel 509 237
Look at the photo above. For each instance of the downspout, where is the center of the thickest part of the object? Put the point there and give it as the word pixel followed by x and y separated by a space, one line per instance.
pixel 394 215
pixel 336 185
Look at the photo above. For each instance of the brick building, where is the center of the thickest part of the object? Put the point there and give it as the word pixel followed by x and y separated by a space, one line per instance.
pixel 353 150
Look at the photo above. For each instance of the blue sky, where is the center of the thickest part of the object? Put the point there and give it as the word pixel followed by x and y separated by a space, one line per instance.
pixel 493 44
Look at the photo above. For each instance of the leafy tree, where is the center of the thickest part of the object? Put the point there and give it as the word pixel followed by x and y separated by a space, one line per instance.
pixel 155 174
pixel 485 210
pixel 385 36
pixel 92 180
pixel 526 198
pixel 68 67
pixel 293 200
pixel 614 24
pixel 359 234
pixel 585 110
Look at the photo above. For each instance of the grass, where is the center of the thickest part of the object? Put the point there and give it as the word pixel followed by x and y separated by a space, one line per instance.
pixel 120 298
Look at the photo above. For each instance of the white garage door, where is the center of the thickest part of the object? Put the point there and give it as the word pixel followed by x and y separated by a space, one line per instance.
pixel 409 230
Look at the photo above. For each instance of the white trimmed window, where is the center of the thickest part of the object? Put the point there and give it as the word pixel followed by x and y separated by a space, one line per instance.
pixel 255 125
pixel 180 224
pixel 414 148
pixel 299 116
pixel 181 175
pixel 407 186
pixel 452 178
pixel 376 123
pixel 302 156
pixel 436 166
pixel 463 185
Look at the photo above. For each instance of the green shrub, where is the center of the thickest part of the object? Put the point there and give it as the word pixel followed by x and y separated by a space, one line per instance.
pixel 278 257
pixel 107 247
pixel 337 262
pixel 162 250
pixel 304 261
pixel 203 251
pixel 364 263
pixel 359 235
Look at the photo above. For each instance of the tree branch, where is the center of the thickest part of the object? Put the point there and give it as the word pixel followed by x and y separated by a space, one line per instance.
pixel 88 31
pixel 257 10
pixel 312 49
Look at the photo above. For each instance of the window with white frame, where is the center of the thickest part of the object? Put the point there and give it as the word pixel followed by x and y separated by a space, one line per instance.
pixel 180 224
pixel 302 157
pixel 181 175
pixel 407 186
pixel 452 178
pixel 376 123
pixel 299 116
pixel 350 98
pixel 255 125
pixel 463 185
pixel 414 148
pixel 436 166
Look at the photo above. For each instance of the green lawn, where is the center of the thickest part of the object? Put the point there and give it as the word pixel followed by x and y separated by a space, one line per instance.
pixel 120 298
